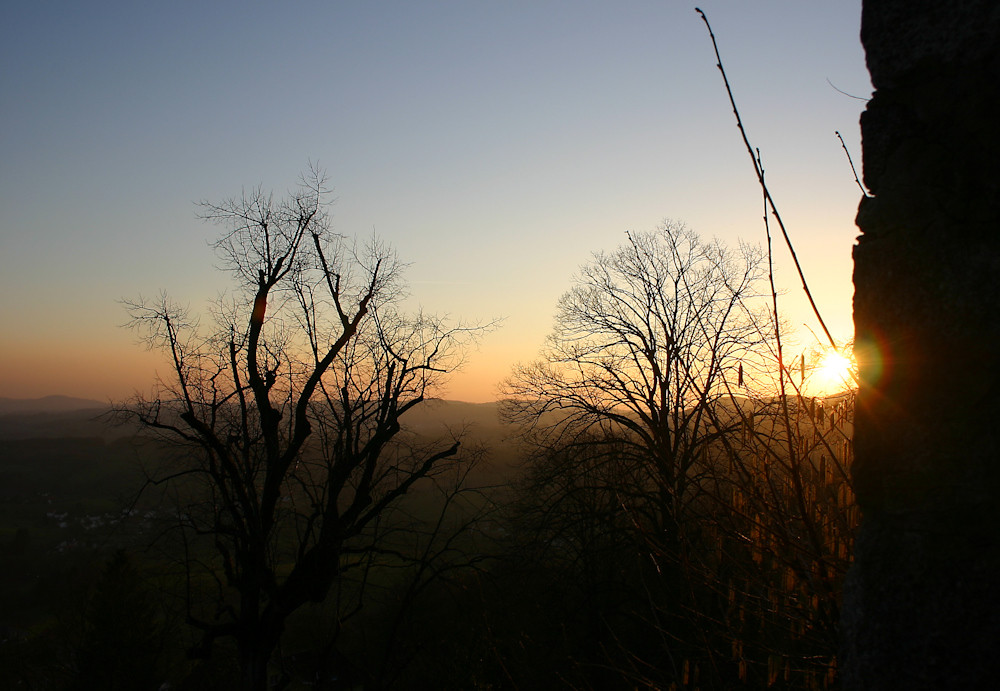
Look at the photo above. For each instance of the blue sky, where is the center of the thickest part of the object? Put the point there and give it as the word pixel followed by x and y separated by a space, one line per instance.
pixel 495 145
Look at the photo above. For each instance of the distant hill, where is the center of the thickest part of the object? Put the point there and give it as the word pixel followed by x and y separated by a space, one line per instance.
pixel 62 416
pixel 435 413
pixel 47 404
pixel 54 417
pixel 39 421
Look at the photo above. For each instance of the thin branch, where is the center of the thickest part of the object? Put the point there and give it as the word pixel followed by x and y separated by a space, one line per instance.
pixel 760 179
pixel 841 91
pixel 851 161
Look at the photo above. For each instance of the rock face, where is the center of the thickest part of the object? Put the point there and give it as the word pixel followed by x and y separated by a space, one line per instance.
pixel 922 603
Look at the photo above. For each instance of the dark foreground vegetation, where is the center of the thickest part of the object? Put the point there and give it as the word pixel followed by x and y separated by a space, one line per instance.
pixel 654 504
pixel 560 580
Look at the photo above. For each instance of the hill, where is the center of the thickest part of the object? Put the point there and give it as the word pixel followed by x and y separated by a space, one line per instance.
pixel 47 404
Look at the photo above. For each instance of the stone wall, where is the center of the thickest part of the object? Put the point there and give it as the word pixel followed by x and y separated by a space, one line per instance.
pixel 922 603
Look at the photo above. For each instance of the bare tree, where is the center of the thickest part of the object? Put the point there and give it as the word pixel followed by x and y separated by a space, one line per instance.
pixel 681 467
pixel 650 339
pixel 644 344
pixel 291 408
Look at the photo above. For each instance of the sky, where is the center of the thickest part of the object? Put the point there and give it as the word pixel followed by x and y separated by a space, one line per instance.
pixel 495 145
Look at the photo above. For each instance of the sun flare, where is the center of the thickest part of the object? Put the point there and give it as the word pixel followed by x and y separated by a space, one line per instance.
pixel 835 371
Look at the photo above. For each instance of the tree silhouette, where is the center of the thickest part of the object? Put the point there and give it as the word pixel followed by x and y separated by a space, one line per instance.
pixel 290 411
pixel 648 342
pixel 644 344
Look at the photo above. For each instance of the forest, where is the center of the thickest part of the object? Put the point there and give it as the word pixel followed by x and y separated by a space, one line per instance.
pixel 657 502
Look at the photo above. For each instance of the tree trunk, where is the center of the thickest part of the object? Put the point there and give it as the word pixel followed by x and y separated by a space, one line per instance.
pixel 255 650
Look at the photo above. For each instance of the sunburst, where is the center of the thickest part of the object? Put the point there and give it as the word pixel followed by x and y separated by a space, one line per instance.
pixel 835 371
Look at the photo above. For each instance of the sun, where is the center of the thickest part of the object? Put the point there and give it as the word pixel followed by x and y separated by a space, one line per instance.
pixel 835 371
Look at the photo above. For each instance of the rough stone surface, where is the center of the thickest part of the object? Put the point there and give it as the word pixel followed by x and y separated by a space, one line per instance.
pixel 922 603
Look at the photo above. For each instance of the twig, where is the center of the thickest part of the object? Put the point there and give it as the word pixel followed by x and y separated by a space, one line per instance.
pixel 851 161
pixel 841 91
pixel 774 294
pixel 760 179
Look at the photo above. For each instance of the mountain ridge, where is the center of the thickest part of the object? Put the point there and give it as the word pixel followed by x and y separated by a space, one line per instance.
pixel 47 404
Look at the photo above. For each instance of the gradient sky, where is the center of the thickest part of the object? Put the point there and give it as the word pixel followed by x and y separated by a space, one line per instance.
pixel 495 145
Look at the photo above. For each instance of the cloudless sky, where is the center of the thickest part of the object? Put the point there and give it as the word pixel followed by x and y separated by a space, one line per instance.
pixel 494 144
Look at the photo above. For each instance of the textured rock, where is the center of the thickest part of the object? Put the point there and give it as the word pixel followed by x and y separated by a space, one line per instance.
pixel 922 603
